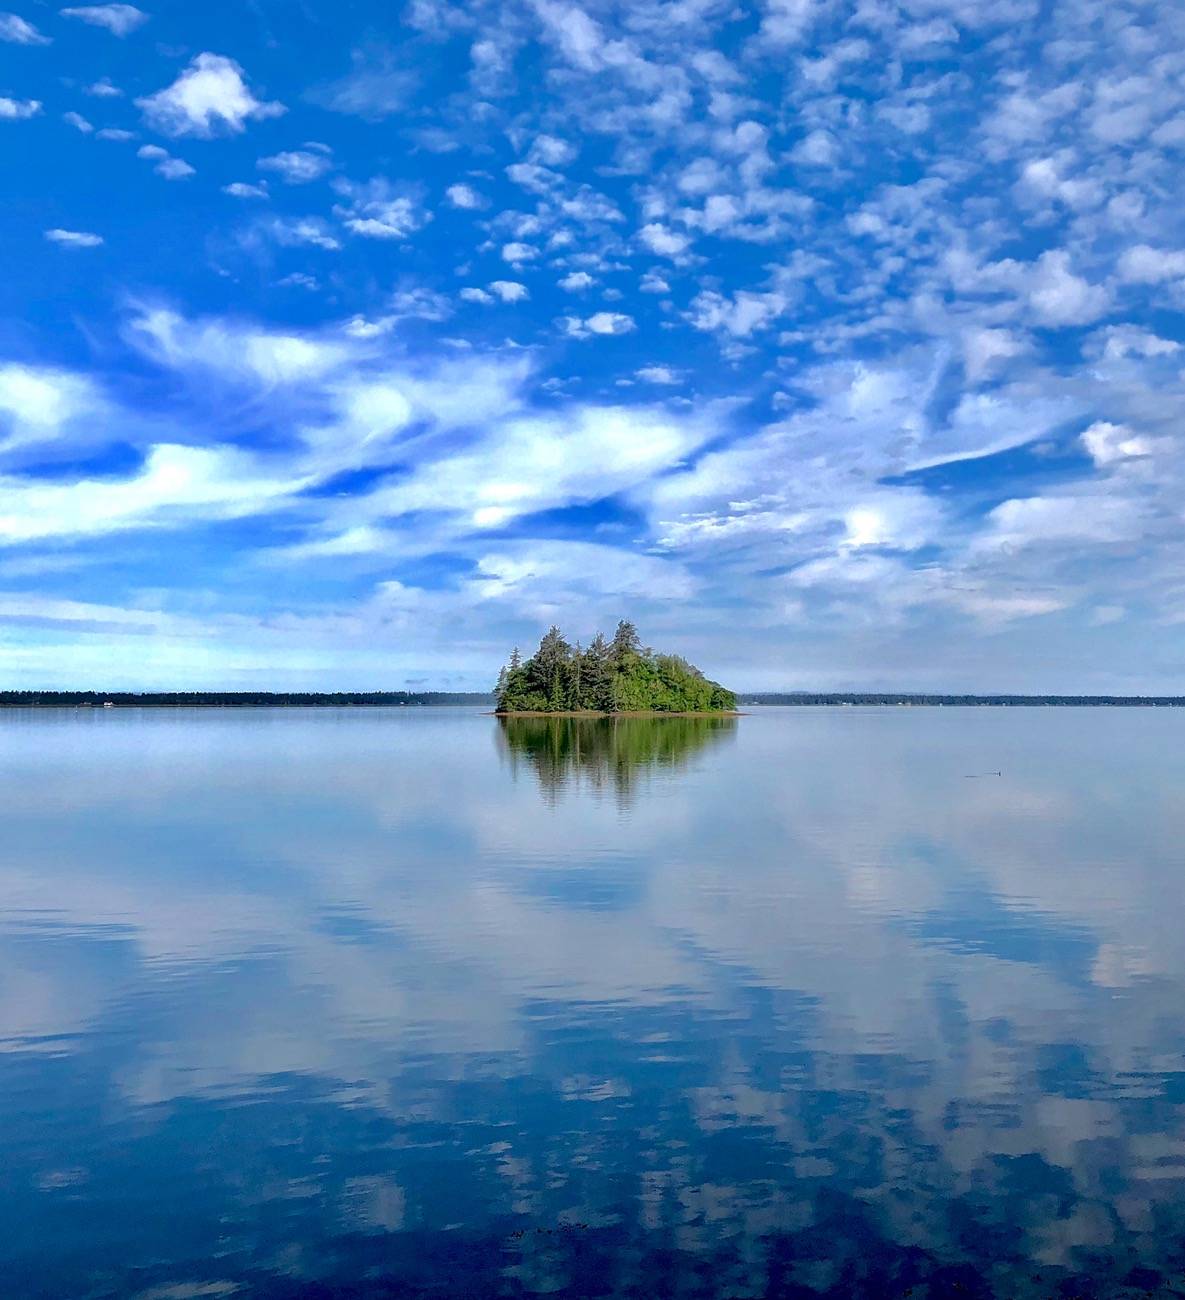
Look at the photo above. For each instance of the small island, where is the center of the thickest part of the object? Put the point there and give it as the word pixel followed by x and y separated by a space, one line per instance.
pixel 606 677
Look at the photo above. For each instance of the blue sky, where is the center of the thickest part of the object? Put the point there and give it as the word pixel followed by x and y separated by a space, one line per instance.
pixel 839 345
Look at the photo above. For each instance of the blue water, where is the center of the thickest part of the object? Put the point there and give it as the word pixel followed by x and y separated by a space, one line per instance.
pixel 412 1003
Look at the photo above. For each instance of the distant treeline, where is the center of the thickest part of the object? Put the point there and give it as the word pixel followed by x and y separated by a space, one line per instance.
pixel 1014 701
pixel 235 699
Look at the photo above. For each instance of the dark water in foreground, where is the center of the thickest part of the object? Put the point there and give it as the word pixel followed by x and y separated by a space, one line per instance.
pixel 403 1003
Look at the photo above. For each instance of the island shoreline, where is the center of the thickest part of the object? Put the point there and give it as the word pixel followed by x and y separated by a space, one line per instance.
pixel 622 713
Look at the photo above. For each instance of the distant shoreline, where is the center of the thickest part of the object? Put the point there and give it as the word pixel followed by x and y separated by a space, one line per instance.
pixel 479 699
pixel 907 700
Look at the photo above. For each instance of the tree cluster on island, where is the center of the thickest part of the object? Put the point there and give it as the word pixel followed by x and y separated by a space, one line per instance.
pixel 617 676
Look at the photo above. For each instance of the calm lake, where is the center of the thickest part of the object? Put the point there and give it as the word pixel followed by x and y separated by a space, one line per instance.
pixel 813 1002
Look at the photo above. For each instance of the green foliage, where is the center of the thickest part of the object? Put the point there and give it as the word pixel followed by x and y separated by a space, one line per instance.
pixel 618 676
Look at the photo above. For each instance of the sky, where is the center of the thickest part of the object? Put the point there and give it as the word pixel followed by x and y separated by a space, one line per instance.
pixel 837 345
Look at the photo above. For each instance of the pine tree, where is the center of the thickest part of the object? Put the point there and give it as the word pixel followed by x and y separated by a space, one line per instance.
pixel 626 640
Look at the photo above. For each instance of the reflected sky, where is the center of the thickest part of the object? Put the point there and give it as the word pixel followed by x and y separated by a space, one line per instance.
pixel 808 1003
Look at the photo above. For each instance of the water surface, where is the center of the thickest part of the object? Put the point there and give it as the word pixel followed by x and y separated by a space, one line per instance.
pixel 415 1002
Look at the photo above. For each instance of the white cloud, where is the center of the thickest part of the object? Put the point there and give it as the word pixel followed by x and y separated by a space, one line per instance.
pixel 472 294
pixel 119 19
pixel 538 462
pixel 378 211
pixel 1029 521
pixel 15 110
pixel 516 253
pixel 509 290
pixel 659 239
pixel 15 29
pixel 601 322
pixel 1144 265
pixel 297 166
pixel 819 149
pixel 786 22
pixel 738 316
pixel 103 89
pixel 577 282
pixel 985 349
pixel 652 282
pixel 465 196
pixel 1059 297
pixel 551 151
pixel 658 375
pixel 578 36
pixel 74 238
pixel 39 401
pixel 172 169
pixel 114 133
pixel 243 190
pixel 175 482
pixel 1117 342
pixel 209 98
pixel 378 86
pixel 235 353
pixel 294 231
pixel 78 122
pixel 1110 444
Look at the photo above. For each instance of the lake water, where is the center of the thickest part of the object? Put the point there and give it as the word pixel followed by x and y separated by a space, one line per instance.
pixel 814 1002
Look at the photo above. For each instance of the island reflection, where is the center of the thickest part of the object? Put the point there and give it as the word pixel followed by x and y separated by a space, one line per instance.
pixel 605 755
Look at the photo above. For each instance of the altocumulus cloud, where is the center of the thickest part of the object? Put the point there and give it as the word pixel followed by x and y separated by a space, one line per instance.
pixel 843 352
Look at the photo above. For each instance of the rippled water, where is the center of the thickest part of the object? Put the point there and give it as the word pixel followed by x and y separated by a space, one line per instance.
pixel 397 1003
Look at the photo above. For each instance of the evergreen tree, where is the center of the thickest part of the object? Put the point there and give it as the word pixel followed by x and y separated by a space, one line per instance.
pixel 615 677
pixel 626 640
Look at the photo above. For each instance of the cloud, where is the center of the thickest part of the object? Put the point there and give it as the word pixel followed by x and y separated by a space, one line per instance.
pixel 516 253
pixel 172 169
pixel 378 211
pixel 576 282
pixel 119 19
pixel 1059 297
pixel 578 36
pixel 509 290
pixel 550 151
pixel 292 232
pixel 1110 444
pixel 667 243
pixel 465 196
pixel 78 122
pixel 1033 521
pixel 103 89
pixel 297 166
pixel 1144 265
pixel 234 353
pixel 537 462
pixel 38 402
pixel 210 98
pixel 243 190
pixel 599 323
pixel 174 483
pixel 739 316
pixel 74 238
pixel 15 110
pixel 818 149
pixel 378 87
pixel 19 32
pixel 658 375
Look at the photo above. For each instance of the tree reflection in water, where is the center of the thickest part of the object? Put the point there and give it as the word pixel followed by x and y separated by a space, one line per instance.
pixel 606 754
